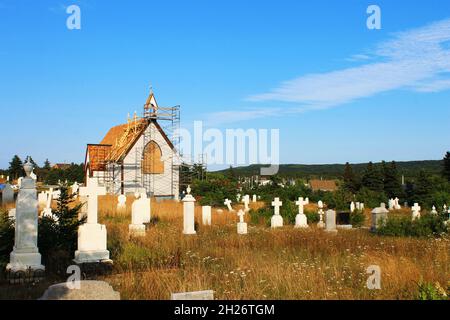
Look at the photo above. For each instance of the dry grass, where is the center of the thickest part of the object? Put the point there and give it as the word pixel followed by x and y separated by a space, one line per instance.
pixel 265 264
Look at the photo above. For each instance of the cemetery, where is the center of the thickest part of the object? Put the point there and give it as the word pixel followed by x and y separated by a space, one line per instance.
pixel 283 242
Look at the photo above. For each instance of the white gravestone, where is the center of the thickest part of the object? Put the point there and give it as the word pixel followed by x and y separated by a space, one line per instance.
pixel 137 227
pixel 306 200
pixel 92 236
pixel 415 211
pixel 75 188
pixel 121 203
pixel 254 199
pixel 47 212
pixel 206 215
pixel 188 213
pixel 7 194
pixel 12 213
pixel 238 197
pixel 145 207
pixel 194 295
pixel 56 194
pixel 379 216
pixel 246 201
pixel 434 211
pixel 25 254
pixel 391 204
pixel 330 221
pixel 301 220
pixel 361 206
pixel 277 220
pixel 352 207
pixel 42 198
pixel 242 225
pixel 320 224
pixel 228 204
pixel 397 206
pixel 358 206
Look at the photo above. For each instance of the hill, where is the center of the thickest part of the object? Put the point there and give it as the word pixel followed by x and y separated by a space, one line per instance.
pixel 406 168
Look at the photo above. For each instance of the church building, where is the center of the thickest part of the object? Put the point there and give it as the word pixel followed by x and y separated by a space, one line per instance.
pixel 138 156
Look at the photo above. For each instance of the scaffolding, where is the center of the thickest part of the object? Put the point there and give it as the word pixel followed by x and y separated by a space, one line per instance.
pixel 156 123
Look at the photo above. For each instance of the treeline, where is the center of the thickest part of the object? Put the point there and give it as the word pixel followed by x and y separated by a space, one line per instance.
pixel 46 174
pixel 335 171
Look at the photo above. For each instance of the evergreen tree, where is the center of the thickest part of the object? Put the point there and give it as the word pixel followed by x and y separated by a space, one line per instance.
pixel 16 168
pixel 422 190
pixel 392 183
pixel 35 166
pixel 446 171
pixel 47 165
pixel 231 174
pixel 373 178
pixel 350 183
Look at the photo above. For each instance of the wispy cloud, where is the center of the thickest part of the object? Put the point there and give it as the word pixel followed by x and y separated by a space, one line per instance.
pixel 417 60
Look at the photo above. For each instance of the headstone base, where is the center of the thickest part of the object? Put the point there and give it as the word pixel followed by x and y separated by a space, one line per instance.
pixel 93 256
pixel 320 224
pixel 24 262
pixel 344 226
pixel 242 228
pixel 301 221
pixel 276 221
pixel 136 230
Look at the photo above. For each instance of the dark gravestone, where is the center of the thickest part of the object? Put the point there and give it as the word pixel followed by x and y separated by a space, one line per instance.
pixel 343 218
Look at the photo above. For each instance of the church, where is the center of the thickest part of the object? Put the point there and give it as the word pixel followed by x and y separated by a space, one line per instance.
pixel 139 156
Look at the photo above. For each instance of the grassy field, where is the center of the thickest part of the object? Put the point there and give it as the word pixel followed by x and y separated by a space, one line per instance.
pixel 286 263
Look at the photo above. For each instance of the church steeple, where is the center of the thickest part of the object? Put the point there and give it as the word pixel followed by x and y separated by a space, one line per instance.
pixel 151 106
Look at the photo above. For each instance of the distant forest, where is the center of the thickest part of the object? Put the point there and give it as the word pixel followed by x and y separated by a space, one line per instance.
pixel 335 171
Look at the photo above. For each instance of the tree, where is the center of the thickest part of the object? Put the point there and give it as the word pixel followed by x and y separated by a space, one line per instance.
pixel 16 168
pixel 47 165
pixel 350 183
pixel 231 174
pixel 373 178
pixel 35 166
pixel 392 184
pixel 446 170
pixel 422 190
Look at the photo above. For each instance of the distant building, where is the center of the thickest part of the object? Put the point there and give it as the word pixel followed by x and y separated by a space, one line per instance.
pixel 62 166
pixel 323 185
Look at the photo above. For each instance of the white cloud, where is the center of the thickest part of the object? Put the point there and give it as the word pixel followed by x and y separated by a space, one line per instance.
pixel 418 60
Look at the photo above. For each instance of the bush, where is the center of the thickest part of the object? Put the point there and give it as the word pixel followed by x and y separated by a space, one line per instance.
pixel 371 199
pixel 357 218
pixel 428 291
pixel 6 238
pixel 311 216
pixel 427 225
pixel 261 216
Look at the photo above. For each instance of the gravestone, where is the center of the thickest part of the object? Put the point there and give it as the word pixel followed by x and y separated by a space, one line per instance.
pixel 75 188
pixel 343 218
pixel 238 197
pixel 206 215
pixel 194 295
pixel 137 227
pixel 246 201
pixel 145 207
pixel 320 224
pixel 56 194
pixel 47 212
pixel 397 206
pixel 415 214
pixel 25 255
pixel 228 204
pixel 242 225
pixel 42 198
pixel 188 213
pixel 277 220
pixel 254 199
pixel 12 213
pixel 121 203
pixel 7 194
pixel 352 207
pixel 391 204
pixel 92 236
pixel 434 211
pixel 358 206
pixel 330 221
pixel 301 221
pixel 88 290
pixel 379 216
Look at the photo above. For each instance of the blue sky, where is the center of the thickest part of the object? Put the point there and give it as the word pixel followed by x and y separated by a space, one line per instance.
pixel 337 91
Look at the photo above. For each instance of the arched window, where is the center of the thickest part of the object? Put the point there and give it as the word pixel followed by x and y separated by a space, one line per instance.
pixel 151 162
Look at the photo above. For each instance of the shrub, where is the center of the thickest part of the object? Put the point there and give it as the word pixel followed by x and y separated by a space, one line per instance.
pixel 357 218
pixel 427 225
pixel 428 291
pixel 6 238
pixel 312 216
pixel 371 199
